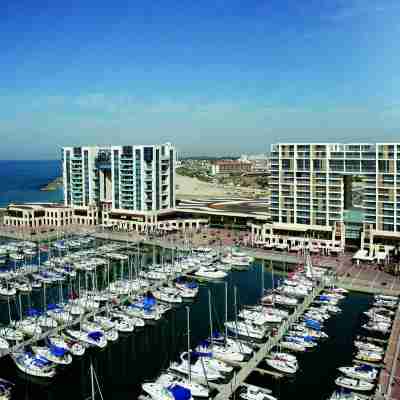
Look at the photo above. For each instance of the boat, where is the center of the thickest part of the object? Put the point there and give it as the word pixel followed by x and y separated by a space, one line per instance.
pixel 73 346
pixel 363 371
pixel 354 384
pixel 167 379
pixel 260 318
pixel 345 394
pixel 55 354
pixel 369 347
pixel 6 388
pixel 94 338
pixel 246 329
pixel 282 365
pixel 34 365
pixel 160 392
pixel 210 273
pixel 220 352
pixel 12 334
pixel 197 370
pixel 369 356
pixel 251 392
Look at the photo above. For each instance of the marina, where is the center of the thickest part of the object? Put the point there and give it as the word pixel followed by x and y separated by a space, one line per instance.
pixel 164 339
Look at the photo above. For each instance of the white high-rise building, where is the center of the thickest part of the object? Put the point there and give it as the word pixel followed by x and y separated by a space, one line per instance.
pixel 129 179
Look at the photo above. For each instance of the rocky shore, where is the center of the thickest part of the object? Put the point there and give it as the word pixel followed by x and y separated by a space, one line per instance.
pixel 53 185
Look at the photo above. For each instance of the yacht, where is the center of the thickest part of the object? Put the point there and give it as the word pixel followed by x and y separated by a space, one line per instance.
pixel 57 355
pixel 210 273
pixel 73 346
pixel 94 338
pixel 354 384
pixel 220 352
pixel 367 346
pixel 246 329
pixel 160 392
pixel 260 318
pixel 34 365
pixel 198 371
pixel 167 379
pixel 251 392
pixel 281 365
pixel 364 372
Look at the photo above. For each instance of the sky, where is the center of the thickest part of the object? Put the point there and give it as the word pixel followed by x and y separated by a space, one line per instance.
pixel 214 77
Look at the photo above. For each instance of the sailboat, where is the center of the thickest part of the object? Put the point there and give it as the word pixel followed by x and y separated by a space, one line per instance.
pixel 198 370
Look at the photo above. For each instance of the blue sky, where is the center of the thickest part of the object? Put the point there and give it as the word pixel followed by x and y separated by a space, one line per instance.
pixel 215 77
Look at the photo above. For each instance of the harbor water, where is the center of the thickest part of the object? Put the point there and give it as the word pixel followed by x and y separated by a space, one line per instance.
pixel 135 358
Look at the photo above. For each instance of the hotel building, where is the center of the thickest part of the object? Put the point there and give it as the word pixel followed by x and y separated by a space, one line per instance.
pixel 311 191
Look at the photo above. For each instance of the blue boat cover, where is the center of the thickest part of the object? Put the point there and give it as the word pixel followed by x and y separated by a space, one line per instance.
pixel 32 312
pixel 201 354
pixel 364 367
pixel 192 285
pixel 95 335
pixel 57 351
pixel 179 392
pixel 149 302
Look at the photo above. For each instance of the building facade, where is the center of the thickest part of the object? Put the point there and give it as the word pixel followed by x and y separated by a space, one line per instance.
pixel 311 185
pixel 231 167
pixel 138 179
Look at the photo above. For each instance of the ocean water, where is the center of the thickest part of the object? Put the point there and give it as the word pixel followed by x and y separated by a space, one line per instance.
pixel 20 181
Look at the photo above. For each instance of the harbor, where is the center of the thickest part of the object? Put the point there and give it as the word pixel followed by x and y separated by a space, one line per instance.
pixel 163 340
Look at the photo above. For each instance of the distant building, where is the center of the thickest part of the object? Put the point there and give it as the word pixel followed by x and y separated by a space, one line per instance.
pixel 221 167
pixel 260 162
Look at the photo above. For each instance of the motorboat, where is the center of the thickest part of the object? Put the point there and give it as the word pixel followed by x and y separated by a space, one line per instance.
pixel 354 384
pixel 369 356
pixel 364 372
pixel 251 392
pixel 34 365
pixel 55 354
pixel 293 345
pixel 381 327
pixel 368 346
pixel 210 273
pixel 281 365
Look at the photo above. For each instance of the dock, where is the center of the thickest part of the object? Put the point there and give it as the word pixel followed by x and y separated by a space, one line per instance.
pixel 226 390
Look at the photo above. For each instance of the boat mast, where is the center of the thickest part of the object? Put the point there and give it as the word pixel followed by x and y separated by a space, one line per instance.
pixel 226 310
pixel 210 316
pixel 188 342
pixel 262 279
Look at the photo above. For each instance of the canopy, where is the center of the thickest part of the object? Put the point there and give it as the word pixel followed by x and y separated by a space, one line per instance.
pixel 201 354
pixel 95 335
pixel 57 351
pixel 32 312
pixel 179 392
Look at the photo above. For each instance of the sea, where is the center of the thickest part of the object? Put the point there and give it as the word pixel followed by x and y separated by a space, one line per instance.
pixel 20 181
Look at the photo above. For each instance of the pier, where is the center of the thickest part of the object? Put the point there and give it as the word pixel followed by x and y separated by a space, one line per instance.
pixel 226 390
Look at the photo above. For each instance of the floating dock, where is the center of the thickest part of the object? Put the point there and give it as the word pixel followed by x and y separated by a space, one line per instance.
pixel 226 390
